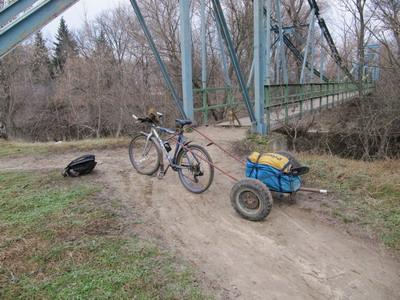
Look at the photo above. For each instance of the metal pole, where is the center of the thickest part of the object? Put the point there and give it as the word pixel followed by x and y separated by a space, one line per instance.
pixel 259 59
pixel 227 37
pixel 277 67
pixel 224 60
pixel 322 60
pixel 25 22
pixel 204 56
pixel 338 74
pixel 251 75
pixel 203 46
pixel 307 47
pixel 312 45
pixel 10 12
pixel 378 69
pixel 267 47
pixel 283 61
pixel 186 49
pixel 167 78
pixel 322 65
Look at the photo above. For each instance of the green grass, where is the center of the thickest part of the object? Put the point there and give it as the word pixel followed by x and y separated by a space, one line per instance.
pixel 64 241
pixel 16 149
pixel 368 193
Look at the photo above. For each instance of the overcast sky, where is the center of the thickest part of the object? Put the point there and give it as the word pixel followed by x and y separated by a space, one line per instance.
pixel 76 14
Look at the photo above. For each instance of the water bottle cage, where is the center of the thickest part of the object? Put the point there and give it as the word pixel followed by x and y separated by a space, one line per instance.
pixel 167 146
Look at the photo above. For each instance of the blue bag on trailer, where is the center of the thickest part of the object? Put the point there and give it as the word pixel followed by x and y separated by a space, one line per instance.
pixel 277 180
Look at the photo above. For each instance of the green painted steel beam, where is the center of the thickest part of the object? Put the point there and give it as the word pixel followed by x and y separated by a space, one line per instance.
pixel 160 62
pixel 262 41
pixel 186 55
pixel 9 12
pixel 220 18
pixel 29 22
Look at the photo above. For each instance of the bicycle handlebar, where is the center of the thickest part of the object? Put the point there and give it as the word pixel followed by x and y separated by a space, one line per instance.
pixel 147 119
pixel 143 120
pixel 151 121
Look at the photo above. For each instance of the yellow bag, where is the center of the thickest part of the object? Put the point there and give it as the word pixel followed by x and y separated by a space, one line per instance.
pixel 271 159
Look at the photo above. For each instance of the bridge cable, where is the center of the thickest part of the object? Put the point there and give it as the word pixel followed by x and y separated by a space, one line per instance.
pixel 328 37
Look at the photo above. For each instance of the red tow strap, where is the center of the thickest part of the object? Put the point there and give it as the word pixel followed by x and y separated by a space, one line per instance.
pixel 219 147
pixel 210 163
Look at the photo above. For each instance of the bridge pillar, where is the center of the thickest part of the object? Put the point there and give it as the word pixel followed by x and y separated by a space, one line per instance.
pixel 186 49
pixel 260 64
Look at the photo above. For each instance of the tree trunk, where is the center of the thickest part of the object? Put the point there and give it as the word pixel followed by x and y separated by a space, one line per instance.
pixel 98 131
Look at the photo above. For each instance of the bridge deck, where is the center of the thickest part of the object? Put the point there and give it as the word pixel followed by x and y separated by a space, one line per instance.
pixel 285 102
pixel 278 113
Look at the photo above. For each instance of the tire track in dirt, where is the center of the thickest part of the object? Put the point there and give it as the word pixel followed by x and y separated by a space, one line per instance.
pixel 292 255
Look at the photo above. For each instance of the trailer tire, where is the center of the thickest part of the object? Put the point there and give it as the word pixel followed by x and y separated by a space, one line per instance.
pixel 251 199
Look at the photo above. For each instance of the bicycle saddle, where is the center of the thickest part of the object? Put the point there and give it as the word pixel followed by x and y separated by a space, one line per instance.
pixel 183 122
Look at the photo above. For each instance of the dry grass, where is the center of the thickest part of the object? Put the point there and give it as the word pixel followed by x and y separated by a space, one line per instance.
pixel 15 148
pixel 369 192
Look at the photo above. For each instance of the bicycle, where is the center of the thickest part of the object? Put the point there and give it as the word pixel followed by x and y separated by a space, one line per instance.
pixel 192 162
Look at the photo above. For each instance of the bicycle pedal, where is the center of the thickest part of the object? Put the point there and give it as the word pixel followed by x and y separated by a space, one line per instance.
pixel 161 175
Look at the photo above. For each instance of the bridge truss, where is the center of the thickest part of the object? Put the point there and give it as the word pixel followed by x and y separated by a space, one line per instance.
pixel 21 18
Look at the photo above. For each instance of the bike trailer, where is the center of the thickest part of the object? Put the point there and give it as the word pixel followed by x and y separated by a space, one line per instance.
pixel 279 172
pixel 80 166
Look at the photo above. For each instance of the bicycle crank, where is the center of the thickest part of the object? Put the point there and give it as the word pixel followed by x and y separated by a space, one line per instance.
pixel 162 172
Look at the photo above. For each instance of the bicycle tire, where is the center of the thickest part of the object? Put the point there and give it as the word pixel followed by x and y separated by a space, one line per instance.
pixel 154 166
pixel 205 159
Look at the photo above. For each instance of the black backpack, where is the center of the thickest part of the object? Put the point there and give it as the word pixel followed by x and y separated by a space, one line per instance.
pixel 80 166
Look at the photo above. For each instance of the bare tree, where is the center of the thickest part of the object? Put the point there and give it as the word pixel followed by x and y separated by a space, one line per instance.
pixel 376 121
pixel 388 13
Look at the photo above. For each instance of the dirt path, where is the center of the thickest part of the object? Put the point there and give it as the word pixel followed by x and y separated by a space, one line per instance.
pixel 292 255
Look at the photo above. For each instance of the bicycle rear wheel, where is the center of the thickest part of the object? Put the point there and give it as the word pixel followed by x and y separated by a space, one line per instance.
pixel 196 171
pixel 145 155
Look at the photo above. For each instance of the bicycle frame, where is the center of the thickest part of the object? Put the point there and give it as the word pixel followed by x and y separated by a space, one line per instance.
pixel 181 142
pixel 186 156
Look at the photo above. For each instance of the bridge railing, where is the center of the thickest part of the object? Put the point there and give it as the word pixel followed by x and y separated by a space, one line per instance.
pixel 215 98
pixel 292 100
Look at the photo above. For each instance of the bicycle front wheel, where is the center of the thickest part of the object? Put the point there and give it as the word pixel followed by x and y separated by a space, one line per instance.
pixel 196 170
pixel 145 155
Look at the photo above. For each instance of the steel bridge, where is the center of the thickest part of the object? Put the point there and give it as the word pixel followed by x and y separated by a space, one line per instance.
pixel 267 95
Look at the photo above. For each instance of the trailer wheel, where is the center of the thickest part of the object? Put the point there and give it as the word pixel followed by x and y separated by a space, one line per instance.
pixel 251 199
